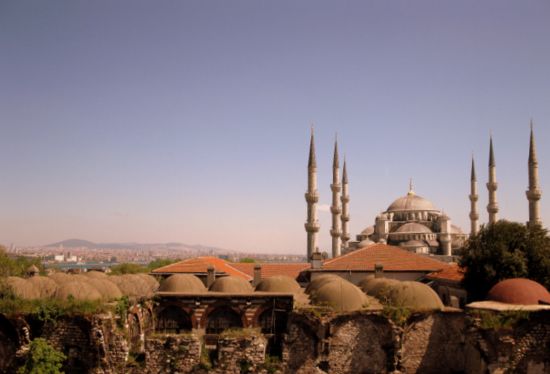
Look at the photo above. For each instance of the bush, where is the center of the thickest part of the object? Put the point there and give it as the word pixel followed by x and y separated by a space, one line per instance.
pixel 42 359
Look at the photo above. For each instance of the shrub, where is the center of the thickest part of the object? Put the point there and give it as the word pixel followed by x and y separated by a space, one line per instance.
pixel 42 359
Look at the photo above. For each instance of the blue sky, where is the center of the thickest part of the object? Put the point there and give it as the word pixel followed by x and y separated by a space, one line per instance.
pixel 189 120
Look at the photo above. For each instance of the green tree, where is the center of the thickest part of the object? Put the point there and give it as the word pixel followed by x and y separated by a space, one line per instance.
pixel 247 260
pixel 16 266
pixel 160 263
pixel 505 250
pixel 128 268
pixel 42 359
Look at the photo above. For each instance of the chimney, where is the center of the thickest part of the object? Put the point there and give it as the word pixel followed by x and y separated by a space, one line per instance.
pixel 257 275
pixel 210 276
pixel 316 260
pixel 378 271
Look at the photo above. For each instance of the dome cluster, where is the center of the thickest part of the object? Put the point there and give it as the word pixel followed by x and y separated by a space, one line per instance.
pixel 92 285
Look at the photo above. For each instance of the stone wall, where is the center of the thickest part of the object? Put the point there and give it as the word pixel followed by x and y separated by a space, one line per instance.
pixel 359 342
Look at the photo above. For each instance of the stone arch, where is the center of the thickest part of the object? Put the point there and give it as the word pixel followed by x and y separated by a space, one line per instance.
pixel 273 324
pixel 147 320
pixel 134 332
pixel 222 318
pixel 173 319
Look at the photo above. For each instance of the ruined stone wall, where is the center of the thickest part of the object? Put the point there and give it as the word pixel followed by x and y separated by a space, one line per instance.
pixel 359 342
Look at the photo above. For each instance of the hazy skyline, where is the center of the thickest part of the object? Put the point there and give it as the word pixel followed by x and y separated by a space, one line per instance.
pixel 189 121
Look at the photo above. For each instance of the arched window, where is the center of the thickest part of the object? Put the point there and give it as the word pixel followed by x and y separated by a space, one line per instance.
pixel 221 319
pixel 173 320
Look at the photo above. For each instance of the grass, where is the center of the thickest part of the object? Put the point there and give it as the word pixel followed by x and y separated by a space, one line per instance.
pixel 503 320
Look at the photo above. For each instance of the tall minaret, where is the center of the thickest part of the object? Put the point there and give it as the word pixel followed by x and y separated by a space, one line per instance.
pixel 474 215
pixel 335 207
pixel 533 193
pixel 492 185
pixel 345 207
pixel 312 197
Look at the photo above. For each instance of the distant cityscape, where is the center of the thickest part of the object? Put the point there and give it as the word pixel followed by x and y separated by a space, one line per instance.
pixel 77 253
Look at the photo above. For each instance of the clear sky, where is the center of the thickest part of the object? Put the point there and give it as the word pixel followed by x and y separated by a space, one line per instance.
pixel 188 121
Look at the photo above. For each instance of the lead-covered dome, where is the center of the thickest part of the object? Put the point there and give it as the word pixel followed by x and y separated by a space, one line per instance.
pixel 231 284
pixel 413 228
pixel 341 296
pixel 520 291
pixel 411 202
pixel 182 283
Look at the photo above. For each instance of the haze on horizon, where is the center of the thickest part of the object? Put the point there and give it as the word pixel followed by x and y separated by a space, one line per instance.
pixel 169 121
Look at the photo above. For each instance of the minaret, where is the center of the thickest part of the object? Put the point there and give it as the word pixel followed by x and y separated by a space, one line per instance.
pixel 312 197
pixel 345 208
pixel 335 207
pixel 533 193
pixel 474 215
pixel 492 185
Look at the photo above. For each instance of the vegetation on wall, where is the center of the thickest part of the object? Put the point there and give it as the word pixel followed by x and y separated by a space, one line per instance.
pixel 42 359
pixel 505 250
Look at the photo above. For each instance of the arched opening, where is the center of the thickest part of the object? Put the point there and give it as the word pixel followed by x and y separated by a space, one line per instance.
pixel 134 333
pixel 221 319
pixel 273 325
pixel 173 320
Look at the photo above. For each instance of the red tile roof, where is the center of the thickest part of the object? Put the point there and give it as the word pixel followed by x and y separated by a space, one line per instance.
pixel 270 269
pixel 242 270
pixel 390 257
pixel 452 272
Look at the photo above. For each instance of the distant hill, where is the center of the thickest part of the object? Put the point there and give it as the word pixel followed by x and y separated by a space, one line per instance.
pixel 79 243
pixel 73 243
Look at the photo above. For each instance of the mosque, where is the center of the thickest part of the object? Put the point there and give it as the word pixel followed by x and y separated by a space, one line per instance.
pixel 411 222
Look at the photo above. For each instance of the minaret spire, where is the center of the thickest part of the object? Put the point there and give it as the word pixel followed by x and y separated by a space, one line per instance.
pixel 474 215
pixel 312 197
pixel 533 192
pixel 345 207
pixel 335 208
pixel 492 185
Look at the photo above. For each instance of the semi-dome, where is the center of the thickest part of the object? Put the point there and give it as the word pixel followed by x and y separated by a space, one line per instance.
pixel 182 283
pixel 411 202
pixel 520 291
pixel 413 228
pixel 231 284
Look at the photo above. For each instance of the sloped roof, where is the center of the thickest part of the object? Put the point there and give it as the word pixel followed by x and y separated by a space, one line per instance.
pixel 271 269
pixel 390 257
pixel 200 265
pixel 452 272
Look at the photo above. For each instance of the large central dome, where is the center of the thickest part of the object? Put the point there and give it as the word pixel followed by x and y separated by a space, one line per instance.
pixel 411 202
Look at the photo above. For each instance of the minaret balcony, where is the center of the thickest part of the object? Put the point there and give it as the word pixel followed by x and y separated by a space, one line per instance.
pixel 344 199
pixel 312 226
pixel 474 198
pixel 344 217
pixel 534 194
pixel 335 187
pixel 335 209
pixel 474 216
pixel 492 186
pixel 335 233
pixel 492 208
pixel 312 196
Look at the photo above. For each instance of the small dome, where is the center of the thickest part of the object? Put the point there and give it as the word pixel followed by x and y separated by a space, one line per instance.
pixel 341 296
pixel 279 283
pixel 411 295
pixel 79 290
pixel 182 283
pixel 319 281
pixel 231 284
pixel 368 231
pixel 96 274
pixel 132 285
pixel 22 288
pixel 413 228
pixel 456 230
pixel 520 291
pixel 413 244
pixel 60 278
pixel 45 286
pixel 107 289
pixel 411 202
pixel 150 280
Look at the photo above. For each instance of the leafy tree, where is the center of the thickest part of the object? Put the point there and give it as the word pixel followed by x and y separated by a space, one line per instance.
pixel 16 266
pixel 505 250
pixel 128 268
pixel 247 260
pixel 160 263
pixel 42 359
